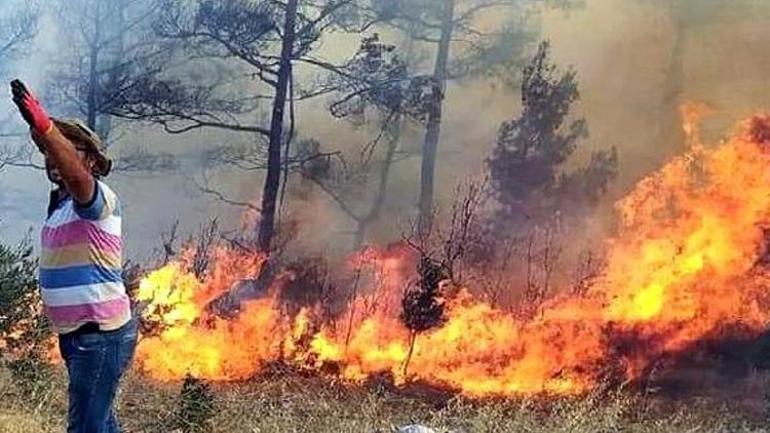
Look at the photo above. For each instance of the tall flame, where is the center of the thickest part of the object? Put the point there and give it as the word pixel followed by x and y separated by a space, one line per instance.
pixel 684 264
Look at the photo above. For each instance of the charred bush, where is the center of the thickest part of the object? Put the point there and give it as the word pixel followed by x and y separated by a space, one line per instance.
pixel 204 246
pixel 760 130
pixel 309 284
pixel 422 307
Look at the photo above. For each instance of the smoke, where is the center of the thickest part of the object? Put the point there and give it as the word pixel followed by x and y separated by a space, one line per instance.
pixel 621 51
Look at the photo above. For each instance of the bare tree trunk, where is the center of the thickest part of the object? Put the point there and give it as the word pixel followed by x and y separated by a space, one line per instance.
pixel 352 316
pixel 433 129
pixel 273 180
pixel 382 188
pixel 104 122
pixel 93 73
pixel 412 341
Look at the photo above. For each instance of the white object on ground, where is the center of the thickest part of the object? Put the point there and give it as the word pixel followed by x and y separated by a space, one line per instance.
pixel 415 428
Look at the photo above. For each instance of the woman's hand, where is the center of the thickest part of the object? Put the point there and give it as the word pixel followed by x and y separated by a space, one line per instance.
pixel 30 108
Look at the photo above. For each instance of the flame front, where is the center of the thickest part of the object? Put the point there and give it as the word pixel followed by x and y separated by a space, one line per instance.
pixel 685 264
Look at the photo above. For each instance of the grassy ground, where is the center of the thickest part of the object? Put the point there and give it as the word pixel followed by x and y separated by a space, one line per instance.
pixel 290 403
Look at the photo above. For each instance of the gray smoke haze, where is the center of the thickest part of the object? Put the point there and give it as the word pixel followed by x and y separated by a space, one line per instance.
pixel 621 50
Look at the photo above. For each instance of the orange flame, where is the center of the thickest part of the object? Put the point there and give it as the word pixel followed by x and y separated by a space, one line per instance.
pixel 683 265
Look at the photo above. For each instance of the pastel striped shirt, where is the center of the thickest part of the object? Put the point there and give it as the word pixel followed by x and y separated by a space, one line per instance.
pixel 80 264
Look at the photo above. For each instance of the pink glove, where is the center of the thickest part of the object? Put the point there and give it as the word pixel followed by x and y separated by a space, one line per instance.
pixel 30 108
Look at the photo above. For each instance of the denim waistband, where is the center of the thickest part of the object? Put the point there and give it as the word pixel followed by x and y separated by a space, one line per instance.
pixel 87 328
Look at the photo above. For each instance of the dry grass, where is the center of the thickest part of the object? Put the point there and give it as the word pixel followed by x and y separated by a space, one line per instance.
pixel 290 403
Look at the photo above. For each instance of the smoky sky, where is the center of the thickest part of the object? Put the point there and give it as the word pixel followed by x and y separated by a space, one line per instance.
pixel 620 49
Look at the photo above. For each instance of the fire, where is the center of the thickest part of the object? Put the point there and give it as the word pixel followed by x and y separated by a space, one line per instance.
pixel 684 264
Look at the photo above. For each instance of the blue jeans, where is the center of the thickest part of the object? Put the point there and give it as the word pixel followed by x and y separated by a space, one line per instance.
pixel 95 363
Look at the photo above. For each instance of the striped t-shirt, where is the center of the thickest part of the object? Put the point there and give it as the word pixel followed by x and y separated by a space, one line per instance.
pixel 80 264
